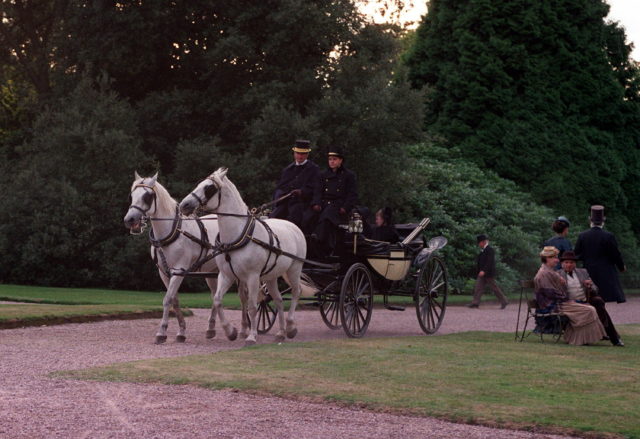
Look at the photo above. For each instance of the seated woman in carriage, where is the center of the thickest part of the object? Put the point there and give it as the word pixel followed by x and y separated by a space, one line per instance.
pixel 385 229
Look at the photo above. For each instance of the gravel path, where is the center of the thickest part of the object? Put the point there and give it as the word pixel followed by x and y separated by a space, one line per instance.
pixel 35 406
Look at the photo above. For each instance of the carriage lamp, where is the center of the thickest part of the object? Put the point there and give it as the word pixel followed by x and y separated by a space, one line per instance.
pixel 355 223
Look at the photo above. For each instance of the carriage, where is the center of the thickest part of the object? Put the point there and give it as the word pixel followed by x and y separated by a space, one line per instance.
pixel 344 287
pixel 250 249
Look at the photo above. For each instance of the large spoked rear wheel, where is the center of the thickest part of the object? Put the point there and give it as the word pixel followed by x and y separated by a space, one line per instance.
pixel 356 300
pixel 266 314
pixel 329 312
pixel 430 296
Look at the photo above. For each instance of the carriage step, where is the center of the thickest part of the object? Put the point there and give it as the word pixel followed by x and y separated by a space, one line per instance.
pixel 394 308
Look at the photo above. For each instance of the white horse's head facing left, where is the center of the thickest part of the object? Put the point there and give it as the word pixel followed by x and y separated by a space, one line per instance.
pixel 208 193
pixel 147 198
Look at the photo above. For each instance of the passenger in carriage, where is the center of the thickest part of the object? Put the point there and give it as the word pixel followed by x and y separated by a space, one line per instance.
pixel 385 229
pixel 299 179
pixel 334 197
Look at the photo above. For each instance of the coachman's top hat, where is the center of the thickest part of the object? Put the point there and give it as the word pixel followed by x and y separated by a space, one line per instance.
pixel 597 215
pixel 335 151
pixel 302 146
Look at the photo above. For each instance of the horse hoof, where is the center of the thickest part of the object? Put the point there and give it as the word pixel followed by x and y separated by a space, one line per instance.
pixel 249 343
pixel 161 339
pixel 211 333
pixel 292 333
pixel 279 338
pixel 181 338
pixel 233 335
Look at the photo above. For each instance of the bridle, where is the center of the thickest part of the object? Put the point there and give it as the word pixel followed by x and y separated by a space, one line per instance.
pixel 202 202
pixel 145 216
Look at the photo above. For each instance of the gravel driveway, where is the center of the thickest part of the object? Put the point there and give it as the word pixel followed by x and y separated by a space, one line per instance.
pixel 34 406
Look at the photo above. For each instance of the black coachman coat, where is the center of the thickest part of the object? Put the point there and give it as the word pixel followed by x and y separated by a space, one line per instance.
pixel 336 190
pixel 598 250
pixel 303 177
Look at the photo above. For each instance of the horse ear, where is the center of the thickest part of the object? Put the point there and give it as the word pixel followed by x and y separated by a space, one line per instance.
pixel 136 176
pixel 222 172
pixel 154 179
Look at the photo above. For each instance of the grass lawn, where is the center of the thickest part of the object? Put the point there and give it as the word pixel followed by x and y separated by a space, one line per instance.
pixel 88 296
pixel 478 377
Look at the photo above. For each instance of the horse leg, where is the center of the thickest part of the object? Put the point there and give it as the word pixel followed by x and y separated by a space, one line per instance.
pixel 252 285
pixel 224 283
pixel 293 279
pixel 172 289
pixel 242 293
pixel 182 326
pixel 274 292
pixel 212 283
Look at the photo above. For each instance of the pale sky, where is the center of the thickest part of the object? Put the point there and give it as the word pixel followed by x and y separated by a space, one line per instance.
pixel 625 12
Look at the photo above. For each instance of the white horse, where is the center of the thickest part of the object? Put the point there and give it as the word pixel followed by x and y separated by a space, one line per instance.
pixel 172 250
pixel 246 246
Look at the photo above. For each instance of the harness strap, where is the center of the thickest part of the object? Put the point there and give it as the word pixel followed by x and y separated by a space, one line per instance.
pixel 172 236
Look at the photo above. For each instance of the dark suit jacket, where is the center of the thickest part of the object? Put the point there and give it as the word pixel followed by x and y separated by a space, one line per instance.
pixel 598 250
pixel 304 177
pixel 336 190
pixel 486 261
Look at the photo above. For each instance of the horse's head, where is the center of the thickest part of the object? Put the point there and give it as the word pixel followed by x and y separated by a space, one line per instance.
pixel 142 200
pixel 206 194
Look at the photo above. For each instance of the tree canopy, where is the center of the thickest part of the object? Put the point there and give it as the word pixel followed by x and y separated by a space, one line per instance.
pixel 543 93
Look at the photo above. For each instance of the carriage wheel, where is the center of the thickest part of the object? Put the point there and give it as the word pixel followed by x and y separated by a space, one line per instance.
pixel 330 314
pixel 266 314
pixel 356 300
pixel 431 294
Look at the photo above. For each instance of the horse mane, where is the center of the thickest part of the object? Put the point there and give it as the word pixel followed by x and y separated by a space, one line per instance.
pixel 219 177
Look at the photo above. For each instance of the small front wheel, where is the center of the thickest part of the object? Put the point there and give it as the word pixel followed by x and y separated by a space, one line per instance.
pixel 356 300
pixel 266 314
pixel 430 296
pixel 329 312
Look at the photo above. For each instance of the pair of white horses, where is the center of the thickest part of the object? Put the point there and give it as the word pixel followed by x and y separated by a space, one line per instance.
pixel 240 254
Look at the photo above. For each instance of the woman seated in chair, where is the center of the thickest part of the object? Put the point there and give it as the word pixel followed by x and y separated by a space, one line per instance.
pixel 551 292
pixel 385 229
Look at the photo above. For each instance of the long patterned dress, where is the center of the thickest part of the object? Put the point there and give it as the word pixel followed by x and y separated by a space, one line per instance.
pixel 584 326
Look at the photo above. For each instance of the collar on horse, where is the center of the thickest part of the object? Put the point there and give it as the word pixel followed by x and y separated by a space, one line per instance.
pixel 173 234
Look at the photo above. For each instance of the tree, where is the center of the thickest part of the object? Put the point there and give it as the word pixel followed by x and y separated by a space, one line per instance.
pixel 542 93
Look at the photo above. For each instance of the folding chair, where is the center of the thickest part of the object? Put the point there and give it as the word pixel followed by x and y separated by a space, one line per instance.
pixel 549 324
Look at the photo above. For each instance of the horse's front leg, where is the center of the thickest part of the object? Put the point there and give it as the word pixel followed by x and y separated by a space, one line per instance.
pixel 253 286
pixel 172 289
pixel 224 283
pixel 242 293
pixel 274 292
pixel 293 277
pixel 181 337
pixel 212 283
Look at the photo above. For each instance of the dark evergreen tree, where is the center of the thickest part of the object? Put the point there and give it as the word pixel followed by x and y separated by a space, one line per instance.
pixel 541 92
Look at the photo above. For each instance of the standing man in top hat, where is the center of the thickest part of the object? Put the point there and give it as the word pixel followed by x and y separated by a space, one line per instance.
pixel 299 180
pixel 335 196
pixel 486 274
pixel 598 250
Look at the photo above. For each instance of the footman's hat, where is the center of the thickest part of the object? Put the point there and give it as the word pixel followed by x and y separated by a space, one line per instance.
pixel 335 151
pixel 597 214
pixel 481 238
pixel 302 146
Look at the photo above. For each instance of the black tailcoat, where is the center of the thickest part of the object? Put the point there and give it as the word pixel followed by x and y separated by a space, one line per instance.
pixel 304 177
pixel 486 261
pixel 598 250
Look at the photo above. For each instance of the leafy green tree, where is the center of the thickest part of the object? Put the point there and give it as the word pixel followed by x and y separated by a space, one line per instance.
pixel 543 93
pixel 65 197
